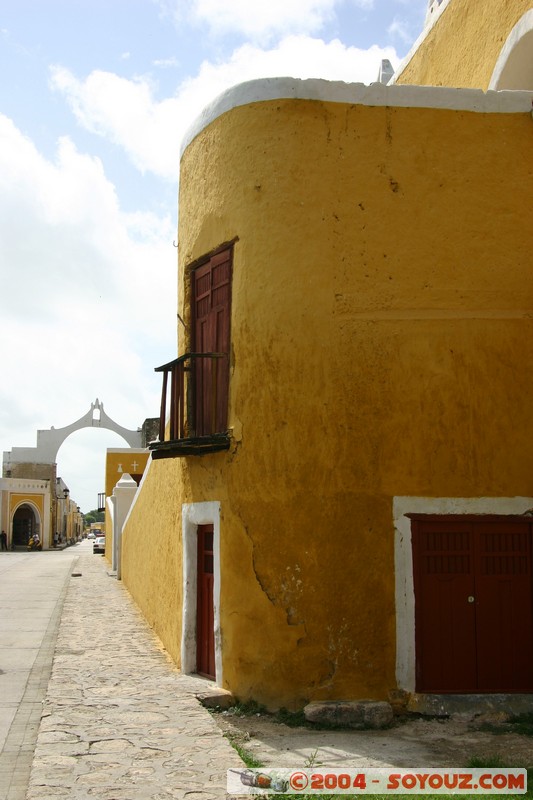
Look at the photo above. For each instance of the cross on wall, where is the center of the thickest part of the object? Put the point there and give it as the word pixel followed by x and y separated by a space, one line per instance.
pixel 134 466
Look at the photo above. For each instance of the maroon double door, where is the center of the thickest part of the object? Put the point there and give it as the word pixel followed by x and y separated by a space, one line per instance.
pixel 473 604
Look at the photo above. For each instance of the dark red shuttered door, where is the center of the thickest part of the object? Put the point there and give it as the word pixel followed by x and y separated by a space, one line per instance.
pixel 211 315
pixel 205 624
pixel 504 604
pixel 473 605
pixel 444 619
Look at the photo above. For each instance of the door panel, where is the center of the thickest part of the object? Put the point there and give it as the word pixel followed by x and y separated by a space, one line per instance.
pixel 473 604
pixel 445 620
pixel 504 607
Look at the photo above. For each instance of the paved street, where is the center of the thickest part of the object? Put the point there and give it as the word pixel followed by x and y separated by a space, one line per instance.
pixel 32 591
pixel 119 722
pixel 92 708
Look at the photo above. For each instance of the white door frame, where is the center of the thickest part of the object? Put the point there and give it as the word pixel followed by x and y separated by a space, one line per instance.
pixel 194 514
pixel 403 555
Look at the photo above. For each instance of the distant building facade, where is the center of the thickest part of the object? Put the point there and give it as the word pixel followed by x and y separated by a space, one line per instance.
pixel 33 499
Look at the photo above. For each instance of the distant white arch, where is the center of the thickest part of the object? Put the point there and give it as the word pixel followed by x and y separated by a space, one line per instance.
pixel 49 441
pixel 514 67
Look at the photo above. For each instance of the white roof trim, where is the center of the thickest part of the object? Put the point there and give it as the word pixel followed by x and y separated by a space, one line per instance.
pixel 402 96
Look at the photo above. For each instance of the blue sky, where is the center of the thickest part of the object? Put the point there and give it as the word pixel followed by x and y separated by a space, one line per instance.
pixel 95 97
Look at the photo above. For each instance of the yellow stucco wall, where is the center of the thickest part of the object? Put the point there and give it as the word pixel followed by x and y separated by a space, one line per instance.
pixel 36 500
pixel 121 461
pixel 381 328
pixel 463 46
pixel 152 553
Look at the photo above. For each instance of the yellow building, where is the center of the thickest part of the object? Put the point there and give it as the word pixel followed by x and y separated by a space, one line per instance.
pixel 31 505
pixel 338 507
pixel 486 45
pixel 26 506
pixel 120 461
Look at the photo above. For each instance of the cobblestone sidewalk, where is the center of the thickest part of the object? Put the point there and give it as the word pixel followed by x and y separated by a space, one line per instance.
pixel 119 721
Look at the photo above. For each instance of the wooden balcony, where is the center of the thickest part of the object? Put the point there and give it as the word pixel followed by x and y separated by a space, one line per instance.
pixel 194 406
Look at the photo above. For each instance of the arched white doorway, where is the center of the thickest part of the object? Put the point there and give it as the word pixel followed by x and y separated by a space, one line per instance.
pixel 514 68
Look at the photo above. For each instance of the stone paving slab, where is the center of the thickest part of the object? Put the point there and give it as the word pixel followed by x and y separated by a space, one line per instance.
pixel 119 721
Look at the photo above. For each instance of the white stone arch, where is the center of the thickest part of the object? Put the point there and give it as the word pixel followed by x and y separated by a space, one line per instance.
pixel 49 441
pixel 514 67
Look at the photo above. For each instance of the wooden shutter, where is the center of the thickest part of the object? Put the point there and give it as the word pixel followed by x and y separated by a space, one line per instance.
pixel 211 327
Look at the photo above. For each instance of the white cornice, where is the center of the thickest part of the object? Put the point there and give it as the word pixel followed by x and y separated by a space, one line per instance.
pixel 376 94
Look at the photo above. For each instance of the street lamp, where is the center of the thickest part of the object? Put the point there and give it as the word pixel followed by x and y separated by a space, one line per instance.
pixel 66 493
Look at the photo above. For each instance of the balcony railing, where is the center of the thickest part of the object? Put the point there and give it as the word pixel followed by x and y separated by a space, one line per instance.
pixel 193 417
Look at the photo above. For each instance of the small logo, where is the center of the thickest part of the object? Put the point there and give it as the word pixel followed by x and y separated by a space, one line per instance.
pixel 299 781
pixel 261 780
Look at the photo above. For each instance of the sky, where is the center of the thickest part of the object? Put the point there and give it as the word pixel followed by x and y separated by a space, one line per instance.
pixel 95 97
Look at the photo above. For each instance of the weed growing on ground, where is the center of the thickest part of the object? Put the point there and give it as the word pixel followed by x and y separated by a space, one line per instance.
pixel 246 757
pixel 520 723
pixel 494 762
pixel 523 724
pixel 488 762
pixel 249 708
pixel 293 719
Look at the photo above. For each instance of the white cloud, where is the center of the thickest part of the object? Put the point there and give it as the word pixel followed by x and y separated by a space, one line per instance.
pixel 61 225
pixel 257 21
pixel 165 63
pixel 88 297
pixel 400 29
pixel 294 56
pixel 127 113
